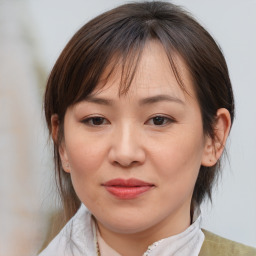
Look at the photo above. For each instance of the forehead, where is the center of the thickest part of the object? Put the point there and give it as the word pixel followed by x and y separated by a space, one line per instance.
pixel 154 74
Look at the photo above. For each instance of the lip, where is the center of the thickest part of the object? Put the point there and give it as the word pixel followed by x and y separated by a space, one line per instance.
pixel 127 188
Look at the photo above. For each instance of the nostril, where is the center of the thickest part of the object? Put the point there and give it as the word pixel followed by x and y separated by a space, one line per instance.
pixel 125 164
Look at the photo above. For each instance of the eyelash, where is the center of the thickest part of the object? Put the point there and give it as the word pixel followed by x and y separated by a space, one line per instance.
pixel 89 121
pixel 103 121
pixel 167 120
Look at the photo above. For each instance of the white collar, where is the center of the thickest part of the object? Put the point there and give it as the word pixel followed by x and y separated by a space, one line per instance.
pixel 79 237
pixel 76 238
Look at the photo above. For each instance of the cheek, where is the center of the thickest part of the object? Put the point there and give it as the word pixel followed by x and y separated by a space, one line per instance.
pixel 177 173
pixel 86 160
pixel 179 158
pixel 85 157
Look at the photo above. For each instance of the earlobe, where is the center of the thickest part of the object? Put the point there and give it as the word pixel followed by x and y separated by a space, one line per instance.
pixel 64 157
pixel 214 146
pixel 59 144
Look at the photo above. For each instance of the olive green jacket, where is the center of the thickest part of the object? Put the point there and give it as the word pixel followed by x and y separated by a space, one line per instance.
pixel 217 246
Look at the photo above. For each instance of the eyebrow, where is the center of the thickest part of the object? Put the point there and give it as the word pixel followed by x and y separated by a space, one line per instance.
pixel 149 100
pixel 161 97
pixel 100 101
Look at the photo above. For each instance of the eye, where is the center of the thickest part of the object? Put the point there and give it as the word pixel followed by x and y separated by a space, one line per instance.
pixel 95 121
pixel 160 120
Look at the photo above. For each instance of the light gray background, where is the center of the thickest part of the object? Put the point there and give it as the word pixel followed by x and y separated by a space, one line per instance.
pixel 233 25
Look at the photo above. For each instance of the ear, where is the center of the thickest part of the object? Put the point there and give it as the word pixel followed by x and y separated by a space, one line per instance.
pixel 59 144
pixel 214 146
pixel 55 127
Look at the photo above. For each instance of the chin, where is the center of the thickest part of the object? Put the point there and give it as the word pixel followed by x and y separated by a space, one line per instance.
pixel 128 224
pixel 127 228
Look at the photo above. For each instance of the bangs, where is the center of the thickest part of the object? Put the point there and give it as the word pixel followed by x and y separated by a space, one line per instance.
pixel 118 47
pixel 123 65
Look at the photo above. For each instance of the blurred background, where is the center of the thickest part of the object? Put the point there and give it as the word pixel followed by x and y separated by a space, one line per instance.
pixel 32 35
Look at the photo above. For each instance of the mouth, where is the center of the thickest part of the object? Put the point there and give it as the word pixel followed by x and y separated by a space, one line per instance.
pixel 127 189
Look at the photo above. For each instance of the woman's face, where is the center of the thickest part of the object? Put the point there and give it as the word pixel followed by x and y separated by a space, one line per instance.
pixel 134 158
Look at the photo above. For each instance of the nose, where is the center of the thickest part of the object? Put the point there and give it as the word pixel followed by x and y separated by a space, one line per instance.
pixel 127 147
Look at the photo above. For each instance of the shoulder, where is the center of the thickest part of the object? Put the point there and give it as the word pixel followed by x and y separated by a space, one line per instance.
pixel 218 246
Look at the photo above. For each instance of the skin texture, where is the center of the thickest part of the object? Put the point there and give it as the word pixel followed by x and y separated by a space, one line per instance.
pixel 129 142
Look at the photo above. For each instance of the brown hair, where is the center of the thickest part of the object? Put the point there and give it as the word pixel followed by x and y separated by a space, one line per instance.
pixel 121 34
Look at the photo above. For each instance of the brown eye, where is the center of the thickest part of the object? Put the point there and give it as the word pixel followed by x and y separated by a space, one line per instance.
pixel 95 121
pixel 159 120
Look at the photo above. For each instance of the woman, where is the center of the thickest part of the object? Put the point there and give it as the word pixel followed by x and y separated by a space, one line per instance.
pixel 139 106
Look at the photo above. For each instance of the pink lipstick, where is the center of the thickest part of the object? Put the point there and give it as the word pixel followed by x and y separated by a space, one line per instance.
pixel 127 189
